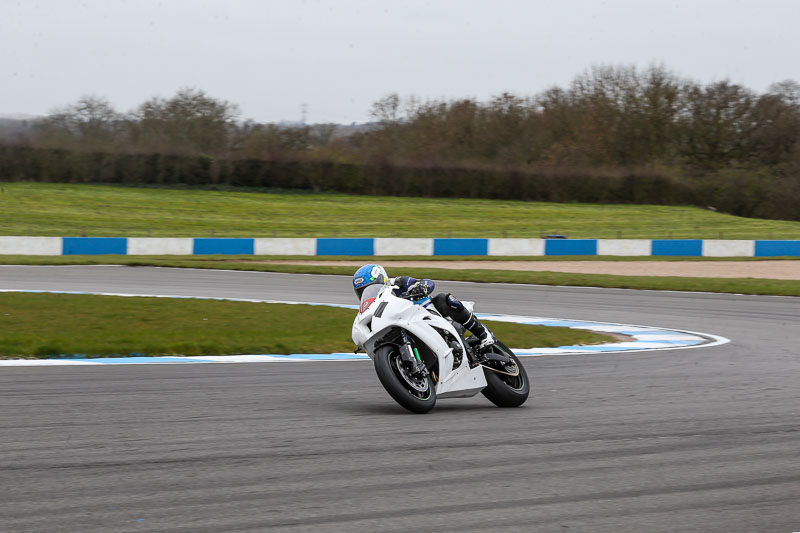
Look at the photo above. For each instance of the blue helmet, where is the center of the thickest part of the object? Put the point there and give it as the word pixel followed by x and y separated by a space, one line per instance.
pixel 369 275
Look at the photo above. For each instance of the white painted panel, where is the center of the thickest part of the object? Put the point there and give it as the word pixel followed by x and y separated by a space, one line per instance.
pixel 516 247
pixel 301 246
pixel 403 246
pixel 160 246
pixel 30 246
pixel 624 247
pixel 728 248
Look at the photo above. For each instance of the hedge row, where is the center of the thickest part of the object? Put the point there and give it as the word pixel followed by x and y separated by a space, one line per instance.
pixel 735 192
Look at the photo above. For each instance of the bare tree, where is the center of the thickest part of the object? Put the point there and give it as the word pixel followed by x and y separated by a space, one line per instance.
pixel 718 120
pixel 386 110
pixel 787 90
pixel 90 123
pixel 189 122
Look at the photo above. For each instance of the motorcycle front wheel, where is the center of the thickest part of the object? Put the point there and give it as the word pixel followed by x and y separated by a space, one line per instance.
pixel 507 384
pixel 417 394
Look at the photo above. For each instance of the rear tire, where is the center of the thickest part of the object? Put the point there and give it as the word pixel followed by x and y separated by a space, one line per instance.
pixel 504 390
pixel 399 385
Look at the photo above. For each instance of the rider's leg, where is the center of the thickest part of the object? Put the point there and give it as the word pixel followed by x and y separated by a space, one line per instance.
pixel 449 306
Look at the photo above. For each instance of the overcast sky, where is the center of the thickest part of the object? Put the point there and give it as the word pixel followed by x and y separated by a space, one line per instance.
pixel 339 56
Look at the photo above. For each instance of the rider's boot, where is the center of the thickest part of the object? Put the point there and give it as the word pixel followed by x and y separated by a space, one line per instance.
pixel 486 337
pixel 449 305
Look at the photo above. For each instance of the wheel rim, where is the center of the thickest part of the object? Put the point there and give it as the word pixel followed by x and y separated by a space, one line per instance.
pixel 417 387
pixel 517 382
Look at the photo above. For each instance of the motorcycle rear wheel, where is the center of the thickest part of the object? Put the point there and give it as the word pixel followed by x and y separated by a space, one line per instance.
pixel 418 396
pixel 502 389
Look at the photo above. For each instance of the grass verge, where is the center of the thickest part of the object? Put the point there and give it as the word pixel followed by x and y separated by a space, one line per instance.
pixel 670 283
pixel 115 211
pixel 47 325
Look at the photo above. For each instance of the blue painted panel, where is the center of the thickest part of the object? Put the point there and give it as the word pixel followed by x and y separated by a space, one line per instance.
pixel 460 246
pixel 345 247
pixel 94 245
pixel 223 246
pixel 777 248
pixel 570 247
pixel 324 356
pixel 562 323
pixel 692 247
pixel 601 348
pixel 140 360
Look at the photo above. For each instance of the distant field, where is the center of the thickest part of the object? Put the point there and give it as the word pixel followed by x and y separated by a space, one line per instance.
pixel 104 211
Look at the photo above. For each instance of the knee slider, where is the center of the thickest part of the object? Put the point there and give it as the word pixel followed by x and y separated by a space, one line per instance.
pixel 458 312
pixel 449 306
pixel 454 303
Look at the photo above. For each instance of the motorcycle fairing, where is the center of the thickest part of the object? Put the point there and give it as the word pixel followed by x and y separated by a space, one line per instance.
pixel 369 327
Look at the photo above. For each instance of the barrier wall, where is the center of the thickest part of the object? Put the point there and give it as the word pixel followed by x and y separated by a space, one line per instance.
pixel 387 247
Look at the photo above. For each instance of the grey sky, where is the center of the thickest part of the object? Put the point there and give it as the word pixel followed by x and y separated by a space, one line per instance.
pixel 339 56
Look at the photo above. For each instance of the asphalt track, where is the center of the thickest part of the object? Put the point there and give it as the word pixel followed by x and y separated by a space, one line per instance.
pixel 683 440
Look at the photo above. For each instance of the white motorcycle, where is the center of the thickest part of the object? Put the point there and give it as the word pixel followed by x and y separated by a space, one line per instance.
pixel 420 355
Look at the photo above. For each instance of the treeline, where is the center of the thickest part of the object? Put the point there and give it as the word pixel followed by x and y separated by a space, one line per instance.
pixel 744 193
pixel 609 117
pixel 615 134
pixel 190 123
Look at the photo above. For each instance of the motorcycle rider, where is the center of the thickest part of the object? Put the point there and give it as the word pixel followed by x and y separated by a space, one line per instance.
pixel 419 289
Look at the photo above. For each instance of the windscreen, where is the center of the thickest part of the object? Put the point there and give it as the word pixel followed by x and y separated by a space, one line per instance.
pixel 371 292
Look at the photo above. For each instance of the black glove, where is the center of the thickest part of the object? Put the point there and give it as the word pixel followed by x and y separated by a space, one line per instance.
pixel 417 290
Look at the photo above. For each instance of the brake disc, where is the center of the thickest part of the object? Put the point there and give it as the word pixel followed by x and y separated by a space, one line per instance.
pixel 420 386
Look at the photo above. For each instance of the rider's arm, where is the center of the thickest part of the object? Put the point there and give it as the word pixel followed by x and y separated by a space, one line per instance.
pixel 405 282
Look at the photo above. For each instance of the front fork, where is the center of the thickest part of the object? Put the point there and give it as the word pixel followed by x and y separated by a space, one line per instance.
pixel 410 355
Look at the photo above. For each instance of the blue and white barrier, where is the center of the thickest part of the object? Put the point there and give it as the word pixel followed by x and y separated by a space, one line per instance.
pixel 395 246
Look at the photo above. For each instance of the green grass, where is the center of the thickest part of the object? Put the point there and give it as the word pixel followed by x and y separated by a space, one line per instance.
pixel 45 325
pixel 101 211
pixel 671 283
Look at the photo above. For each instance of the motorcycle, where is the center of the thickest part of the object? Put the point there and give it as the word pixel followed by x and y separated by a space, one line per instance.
pixel 420 356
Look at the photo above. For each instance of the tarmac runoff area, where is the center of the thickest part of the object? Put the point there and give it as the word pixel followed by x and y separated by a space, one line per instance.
pixel 677 440
pixel 789 270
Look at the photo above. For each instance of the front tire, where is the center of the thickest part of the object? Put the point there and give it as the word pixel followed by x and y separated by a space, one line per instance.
pixel 416 395
pixel 504 390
